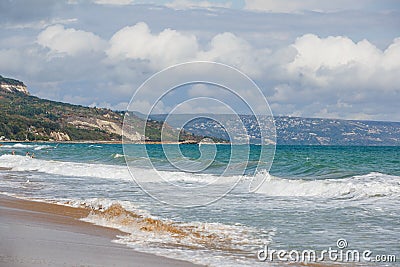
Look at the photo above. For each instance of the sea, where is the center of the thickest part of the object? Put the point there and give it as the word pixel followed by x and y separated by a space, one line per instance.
pixel 310 198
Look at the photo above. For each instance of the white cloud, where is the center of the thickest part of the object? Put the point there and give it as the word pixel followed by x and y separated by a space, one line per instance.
pixel 294 6
pixel 332 52
pixel 309 61
pixel 337 77
pixel 171 47
pixel 160 50
pixel 391 56
pixel 313 76
pixel 341 62
pixel 69 41
pixel 188 4
pixel 233 50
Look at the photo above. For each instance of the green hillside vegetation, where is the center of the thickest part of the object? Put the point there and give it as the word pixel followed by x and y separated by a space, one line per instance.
pixel 24 117
pixel 29 118
pixel 10 81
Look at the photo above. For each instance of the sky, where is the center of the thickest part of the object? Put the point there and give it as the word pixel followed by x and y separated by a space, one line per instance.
pixel 310 58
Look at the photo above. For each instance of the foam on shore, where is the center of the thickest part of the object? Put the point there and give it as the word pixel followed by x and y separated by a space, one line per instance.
pixel 44 234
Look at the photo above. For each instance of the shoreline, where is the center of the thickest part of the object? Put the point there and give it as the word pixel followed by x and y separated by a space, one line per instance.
pixel 37 233
pixel 176 143
pixel 61 142
pixel 108 142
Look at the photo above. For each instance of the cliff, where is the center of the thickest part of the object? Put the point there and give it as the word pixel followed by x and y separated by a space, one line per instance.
pixel 12 86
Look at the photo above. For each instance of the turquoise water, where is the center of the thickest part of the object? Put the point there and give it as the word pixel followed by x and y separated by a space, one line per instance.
pixel 296 161
pixel 312 196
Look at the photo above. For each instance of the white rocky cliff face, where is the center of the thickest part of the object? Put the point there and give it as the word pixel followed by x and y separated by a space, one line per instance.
pixel 59 136
pixel 13 86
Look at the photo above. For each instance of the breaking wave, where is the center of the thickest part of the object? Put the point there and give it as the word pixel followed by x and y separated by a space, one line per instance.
pixel 374 184
pixel 28 146
pixel 169 238
pixel 22 163
pixel 116 172
pixel 115 156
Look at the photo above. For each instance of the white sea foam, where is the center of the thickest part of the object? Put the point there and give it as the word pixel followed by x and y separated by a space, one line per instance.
pixel 211 244
pixel 96 146
pixel 147 233
pixel 28 146
pixel 22 163
pixel 370 185
pixel 116 172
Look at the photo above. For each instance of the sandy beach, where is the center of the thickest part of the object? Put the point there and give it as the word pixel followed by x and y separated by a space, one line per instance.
pixel 42 234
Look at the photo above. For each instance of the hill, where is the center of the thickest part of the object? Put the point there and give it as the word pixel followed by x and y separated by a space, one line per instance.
pixel 298 131
pixel 25 117
pixel 11 85
pixel 28 118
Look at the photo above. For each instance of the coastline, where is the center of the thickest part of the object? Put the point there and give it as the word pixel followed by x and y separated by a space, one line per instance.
pixel 62 142
pixel 108 142
pixel 43 234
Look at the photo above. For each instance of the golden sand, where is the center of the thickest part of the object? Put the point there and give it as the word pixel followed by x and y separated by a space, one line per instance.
pixel 43 234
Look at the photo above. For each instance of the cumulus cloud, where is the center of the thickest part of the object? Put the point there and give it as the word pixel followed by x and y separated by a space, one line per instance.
pixel 337 77
pixel 69 41
pixel 233 50
pixel 294 6
pixel 160 50
pixel 332 52
pixel 331 76
pixel 170 47
pixel 314 76
pixel 342 62
pixel 310 61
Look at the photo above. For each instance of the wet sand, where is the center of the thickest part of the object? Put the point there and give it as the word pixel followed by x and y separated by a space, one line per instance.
pixel 42 234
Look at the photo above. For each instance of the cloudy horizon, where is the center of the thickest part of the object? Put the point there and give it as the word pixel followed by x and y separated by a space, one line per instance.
pixel 310 58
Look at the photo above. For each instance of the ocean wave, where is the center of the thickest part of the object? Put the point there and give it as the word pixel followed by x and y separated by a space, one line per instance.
pixel 374 184
pixel 115 156
pixel 95 146
pixel 145 232
pixel 28 146
pixel 206 243
pixel 75 169
pixel 115 172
